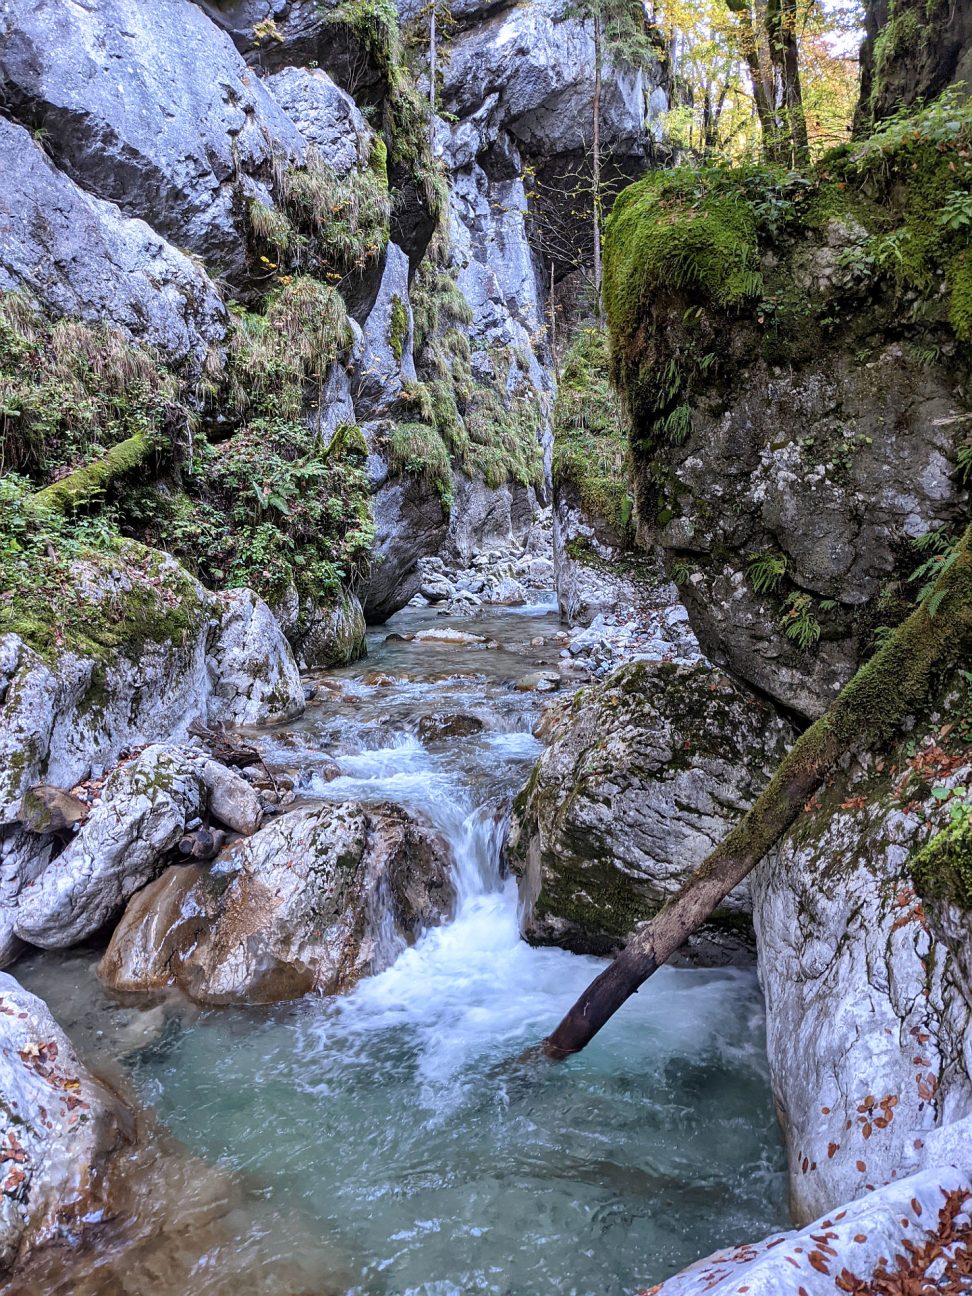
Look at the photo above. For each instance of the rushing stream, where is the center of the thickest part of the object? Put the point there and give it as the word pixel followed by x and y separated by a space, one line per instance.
pixel 399 1148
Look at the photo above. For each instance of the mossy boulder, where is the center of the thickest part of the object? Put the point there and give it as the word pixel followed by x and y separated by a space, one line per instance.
pixel 644 773
pixel 793 356
pixel 135 652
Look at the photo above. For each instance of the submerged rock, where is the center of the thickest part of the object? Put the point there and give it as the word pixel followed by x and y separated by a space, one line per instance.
pixel 60 1128
pixel 913 1235
pixel 644 774
pixel 433 728
pixel 304 905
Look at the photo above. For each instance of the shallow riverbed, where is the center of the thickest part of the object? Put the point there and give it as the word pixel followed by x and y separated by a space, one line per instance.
pixel 388 1131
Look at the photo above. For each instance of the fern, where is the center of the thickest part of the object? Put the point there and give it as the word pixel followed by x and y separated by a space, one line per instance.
pixel 799 622
pixel 942 547
pixel 765 571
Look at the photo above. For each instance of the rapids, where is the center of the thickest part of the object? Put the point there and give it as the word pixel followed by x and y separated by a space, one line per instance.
pixel 397 1147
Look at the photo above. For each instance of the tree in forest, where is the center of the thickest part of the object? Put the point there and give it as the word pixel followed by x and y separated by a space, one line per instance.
pixel 622 35
pixel 789 64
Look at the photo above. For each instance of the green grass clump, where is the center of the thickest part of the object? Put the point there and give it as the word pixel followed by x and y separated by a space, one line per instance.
pixel 418 450
pixel 274 508
pixel 689 236
pixel 278 357
pixel 75 584
pixel 373 26
pixel 590 449
pixel 342 220
pixel 398 330
pixel 71 391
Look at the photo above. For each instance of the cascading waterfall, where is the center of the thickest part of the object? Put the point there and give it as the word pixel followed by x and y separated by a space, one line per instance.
pixel 389 1126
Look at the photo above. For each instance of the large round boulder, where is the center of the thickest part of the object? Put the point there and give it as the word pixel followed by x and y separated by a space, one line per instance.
pixel 645 773
pixel 315 900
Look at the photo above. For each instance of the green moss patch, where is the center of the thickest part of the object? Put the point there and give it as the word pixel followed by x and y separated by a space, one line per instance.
pixel 942 869
pixel 590 450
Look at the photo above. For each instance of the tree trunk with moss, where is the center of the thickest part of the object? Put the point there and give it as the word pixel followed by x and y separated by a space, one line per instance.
pixel 897 680
pixel 87 483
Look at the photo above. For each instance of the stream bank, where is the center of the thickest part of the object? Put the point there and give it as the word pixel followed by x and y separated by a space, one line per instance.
pixel 388 1124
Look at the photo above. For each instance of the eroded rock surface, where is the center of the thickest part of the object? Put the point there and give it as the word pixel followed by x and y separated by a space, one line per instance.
pixel 95 77
pixel 145 809
pixel 868 997
pixel 181 652
pixel 60 1128
pixel 911 1235
pixel 80 256
pixel 301 906
pixel 644 774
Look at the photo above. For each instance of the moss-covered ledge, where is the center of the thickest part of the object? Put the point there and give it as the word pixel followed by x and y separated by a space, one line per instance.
pixel 793 353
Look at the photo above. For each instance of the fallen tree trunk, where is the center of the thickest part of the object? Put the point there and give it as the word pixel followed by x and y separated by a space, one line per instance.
pixel 84 484
pixel 867 711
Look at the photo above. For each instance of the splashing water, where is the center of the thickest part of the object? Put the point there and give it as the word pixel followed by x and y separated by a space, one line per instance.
pixel 391 1122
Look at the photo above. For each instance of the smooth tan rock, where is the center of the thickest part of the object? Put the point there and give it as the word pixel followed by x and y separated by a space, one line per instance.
pixel 300 906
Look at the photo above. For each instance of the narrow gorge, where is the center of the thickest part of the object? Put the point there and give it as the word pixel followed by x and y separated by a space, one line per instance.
pixel 465 470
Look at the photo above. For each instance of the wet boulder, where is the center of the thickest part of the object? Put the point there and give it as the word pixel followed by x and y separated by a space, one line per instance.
pixel 146 808
pixel 643 775
pixel 440 725
pixel 317 899
pixel 913 1235
pixel 60 1128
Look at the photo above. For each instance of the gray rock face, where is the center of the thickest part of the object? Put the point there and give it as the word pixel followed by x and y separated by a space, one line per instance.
pixel 254 679
pixel 325 115
pixel 831 465
pixel 385 361
pixel 299 907
pixel 410 523
pixel 493 262
pixel 596 571
pixel 643 775
pixel 95 78
pixel 524 70
pixel 483 518
pixel 77 255
pixel 869 1003
pixel 916 1230
pixel 23 857
pixel 60 1128
pixel 224 656
pixel 144 812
